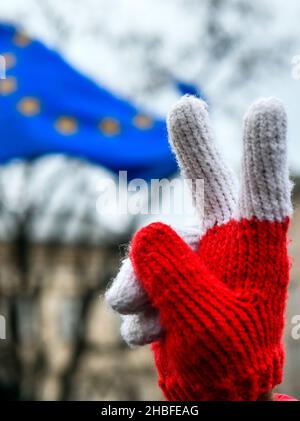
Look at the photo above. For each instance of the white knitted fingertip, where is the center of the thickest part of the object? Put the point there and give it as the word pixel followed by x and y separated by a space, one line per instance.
pixel 190 135
pixel 126 295
pixel 266 188
pixel 141 329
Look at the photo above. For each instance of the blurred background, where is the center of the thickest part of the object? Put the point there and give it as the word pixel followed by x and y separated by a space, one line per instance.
pixel 86 89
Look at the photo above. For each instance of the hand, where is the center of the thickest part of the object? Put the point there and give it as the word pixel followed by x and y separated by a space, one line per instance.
pixel 216 313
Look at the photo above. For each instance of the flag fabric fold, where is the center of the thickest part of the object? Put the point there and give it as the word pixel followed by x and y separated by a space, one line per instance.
pixel 48 107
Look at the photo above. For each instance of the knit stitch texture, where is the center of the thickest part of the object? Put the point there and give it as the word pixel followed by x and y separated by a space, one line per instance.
pixel 212 303
pixel 222 308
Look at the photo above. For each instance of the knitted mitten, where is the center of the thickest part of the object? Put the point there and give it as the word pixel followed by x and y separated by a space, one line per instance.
pixel 215 311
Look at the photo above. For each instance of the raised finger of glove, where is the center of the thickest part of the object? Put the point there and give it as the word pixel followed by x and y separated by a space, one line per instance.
pixel 190 135
pixel 266 188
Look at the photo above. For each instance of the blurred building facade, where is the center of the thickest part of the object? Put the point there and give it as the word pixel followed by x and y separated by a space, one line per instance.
pixel 57 255
pixel 62 342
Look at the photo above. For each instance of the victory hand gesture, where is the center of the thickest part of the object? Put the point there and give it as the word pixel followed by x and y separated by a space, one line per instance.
pixel 212 301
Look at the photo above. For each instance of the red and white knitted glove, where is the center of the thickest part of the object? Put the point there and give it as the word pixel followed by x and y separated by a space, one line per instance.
pixel 215 312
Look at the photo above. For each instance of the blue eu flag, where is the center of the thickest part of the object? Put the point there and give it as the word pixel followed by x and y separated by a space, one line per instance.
pixel 47 107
